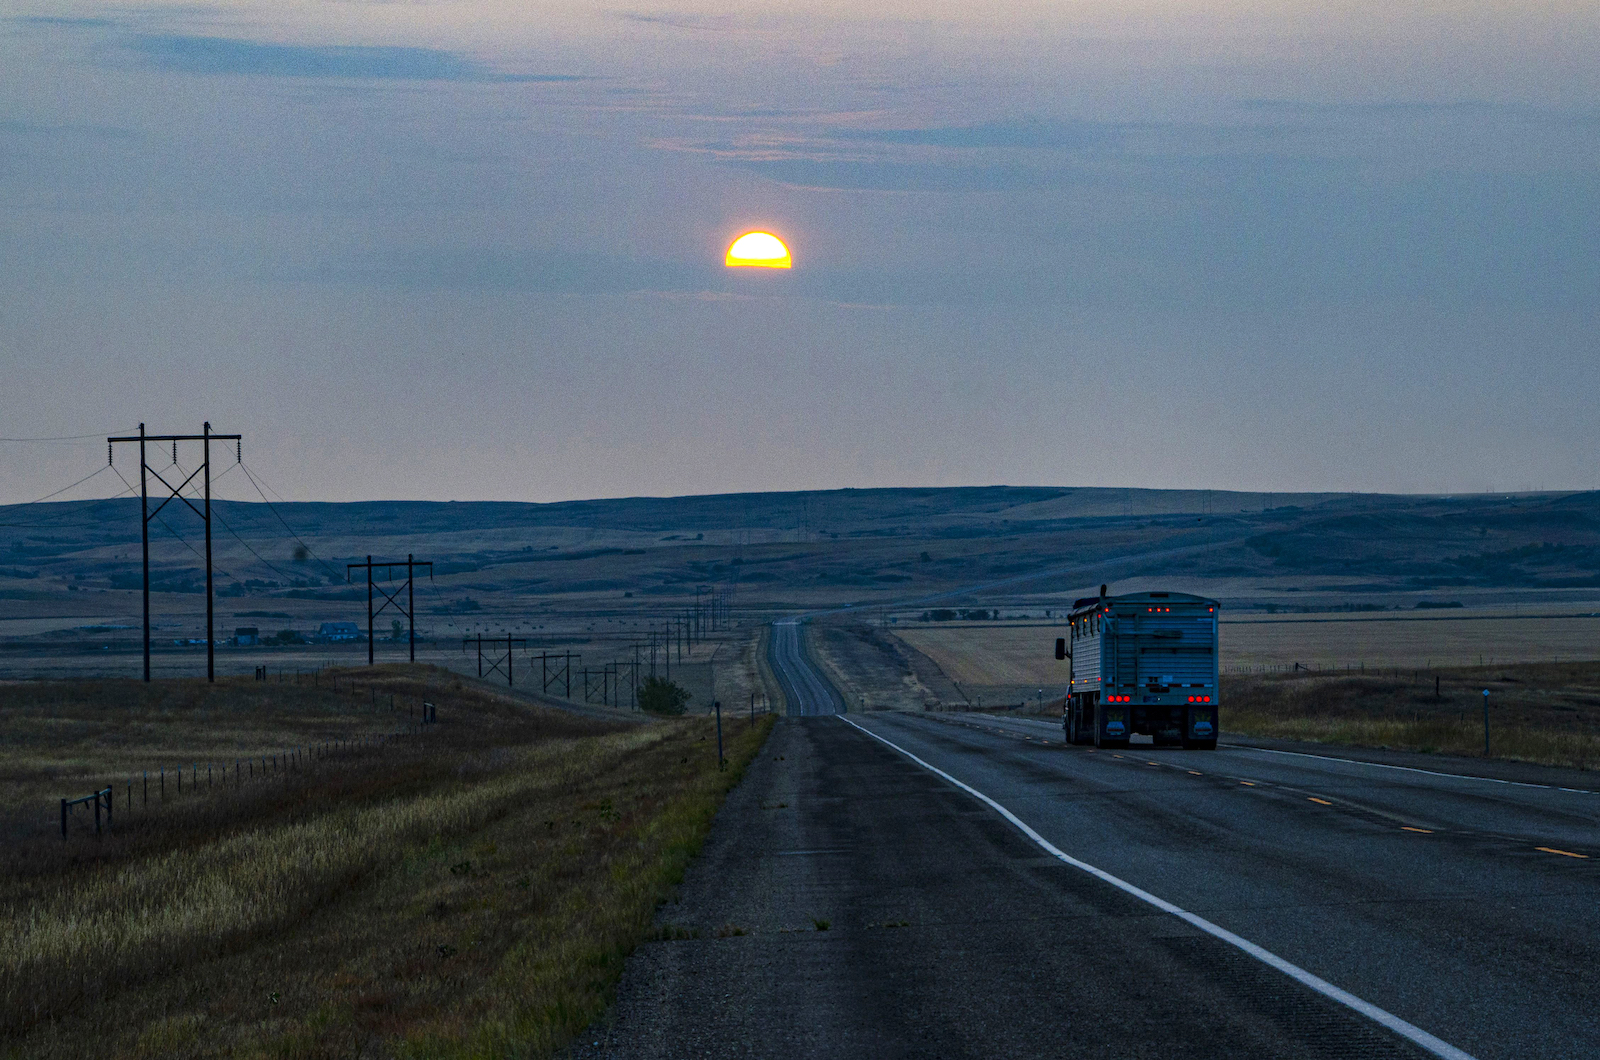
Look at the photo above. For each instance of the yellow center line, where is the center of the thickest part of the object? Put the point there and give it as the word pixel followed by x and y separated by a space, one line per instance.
pixel 1116 756
pixel 1152 763
pixel 1563 853
pixel 1408 828
pixel 1320 802
pixel 1248 783
pixel 1192 773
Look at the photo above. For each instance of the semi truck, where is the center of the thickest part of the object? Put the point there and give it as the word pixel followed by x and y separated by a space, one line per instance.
pixel 1141 663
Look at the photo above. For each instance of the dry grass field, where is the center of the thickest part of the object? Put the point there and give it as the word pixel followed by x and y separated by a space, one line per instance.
pixel 1547 713
pixel 1018 655
pixel 974 655
pixel 470 890
pixel 1469 637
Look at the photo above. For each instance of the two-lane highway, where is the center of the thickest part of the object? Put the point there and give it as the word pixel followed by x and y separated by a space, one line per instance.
pixel 807 691
pixel 1467 908
pixel 968 885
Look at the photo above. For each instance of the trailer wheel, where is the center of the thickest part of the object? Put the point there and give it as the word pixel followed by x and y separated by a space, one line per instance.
pixel 1075 726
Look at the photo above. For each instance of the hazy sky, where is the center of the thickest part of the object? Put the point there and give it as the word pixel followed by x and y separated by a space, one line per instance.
pixel 473 249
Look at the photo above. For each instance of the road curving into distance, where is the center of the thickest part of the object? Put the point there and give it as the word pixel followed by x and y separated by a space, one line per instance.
pixel 966 885
pixel 808 692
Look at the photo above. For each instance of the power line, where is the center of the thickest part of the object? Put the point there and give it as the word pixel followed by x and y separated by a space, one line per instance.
pixel 268 563
pixel 92 505
pixel 63 489
pixel 67 437
pixel 270 507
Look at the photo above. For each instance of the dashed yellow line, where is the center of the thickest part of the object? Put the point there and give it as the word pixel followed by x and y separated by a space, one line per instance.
pixel 1563 853
pixel 1408 828
pixel 1248 783
pixel 1194 773
pixel 1319 802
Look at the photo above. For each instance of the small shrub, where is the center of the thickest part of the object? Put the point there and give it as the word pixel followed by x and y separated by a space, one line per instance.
pixel 660 696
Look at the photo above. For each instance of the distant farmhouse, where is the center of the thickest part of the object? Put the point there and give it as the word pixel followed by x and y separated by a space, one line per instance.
pixel 243 635
pixel 331 632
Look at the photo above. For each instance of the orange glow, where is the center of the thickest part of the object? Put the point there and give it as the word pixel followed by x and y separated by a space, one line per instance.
pixel 759 249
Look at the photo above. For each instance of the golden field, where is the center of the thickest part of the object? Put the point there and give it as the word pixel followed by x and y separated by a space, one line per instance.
pixel 1001 654
pixel 467 891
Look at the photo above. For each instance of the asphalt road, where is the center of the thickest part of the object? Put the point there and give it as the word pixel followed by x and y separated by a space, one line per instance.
pixel 1454 905
pixel 806 690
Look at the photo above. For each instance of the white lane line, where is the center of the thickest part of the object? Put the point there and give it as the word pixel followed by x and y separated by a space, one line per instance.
pixel 1412 1033
pixel 1410 769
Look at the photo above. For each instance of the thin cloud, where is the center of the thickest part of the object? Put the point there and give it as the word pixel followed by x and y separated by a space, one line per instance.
pixel 224 56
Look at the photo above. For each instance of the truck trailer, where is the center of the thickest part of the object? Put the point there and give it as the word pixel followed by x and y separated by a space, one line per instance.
pixel 1141 663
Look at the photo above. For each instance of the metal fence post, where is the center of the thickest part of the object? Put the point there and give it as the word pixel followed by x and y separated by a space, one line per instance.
pixel 63 818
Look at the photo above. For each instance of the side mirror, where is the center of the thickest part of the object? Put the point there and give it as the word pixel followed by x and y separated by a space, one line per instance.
pixel 1061 647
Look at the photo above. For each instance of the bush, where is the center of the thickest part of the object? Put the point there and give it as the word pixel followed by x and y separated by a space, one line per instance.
pixel 660 696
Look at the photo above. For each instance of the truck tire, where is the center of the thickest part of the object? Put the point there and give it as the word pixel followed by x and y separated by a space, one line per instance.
pixel 1075 727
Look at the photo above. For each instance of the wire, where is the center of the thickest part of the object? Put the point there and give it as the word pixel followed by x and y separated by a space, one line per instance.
pixel 70 437
pixel 325 565
pixel 63 489
pixel 177 535
pixel 218 513
pixel 92 505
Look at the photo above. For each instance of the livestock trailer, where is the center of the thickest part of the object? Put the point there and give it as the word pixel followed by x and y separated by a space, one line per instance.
pixel 1141 663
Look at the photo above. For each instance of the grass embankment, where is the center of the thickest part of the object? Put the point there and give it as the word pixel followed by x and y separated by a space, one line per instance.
pixel 471 891
pixel 1548 713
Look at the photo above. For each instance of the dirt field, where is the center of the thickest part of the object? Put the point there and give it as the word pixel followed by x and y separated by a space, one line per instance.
pixel 468 891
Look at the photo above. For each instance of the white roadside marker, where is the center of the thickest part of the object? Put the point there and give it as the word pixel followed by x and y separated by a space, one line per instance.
pixel 1412 1033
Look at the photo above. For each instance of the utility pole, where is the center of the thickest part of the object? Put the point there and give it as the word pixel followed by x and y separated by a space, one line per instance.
pixel 547 674
pixel 496 663
pixel 409 610
pixel 176 492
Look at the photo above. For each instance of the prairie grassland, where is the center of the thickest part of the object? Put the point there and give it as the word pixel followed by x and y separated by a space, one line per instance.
pixel 990 655
pixel 1391 640
pixel 1547 713
pixel 470 891
pixel 1020 655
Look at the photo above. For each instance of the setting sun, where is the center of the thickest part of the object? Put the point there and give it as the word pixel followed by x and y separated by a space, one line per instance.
pixel 759 249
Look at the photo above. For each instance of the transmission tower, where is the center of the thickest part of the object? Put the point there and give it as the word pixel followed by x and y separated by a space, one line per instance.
pixel 409 610
pixel 175 492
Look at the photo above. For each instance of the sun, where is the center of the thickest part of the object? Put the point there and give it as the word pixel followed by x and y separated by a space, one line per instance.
pixel 761 250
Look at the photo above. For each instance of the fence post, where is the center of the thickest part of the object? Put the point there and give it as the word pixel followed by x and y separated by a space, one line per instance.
pixel 97 813
pixel 163 783
pixel 63 818
pixel 721 762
